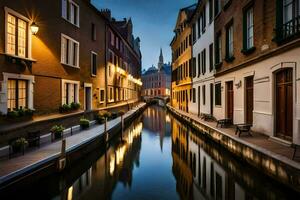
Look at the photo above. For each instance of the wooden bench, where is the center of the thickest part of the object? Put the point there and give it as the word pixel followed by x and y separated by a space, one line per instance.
pixel 224 122
pixel 243 128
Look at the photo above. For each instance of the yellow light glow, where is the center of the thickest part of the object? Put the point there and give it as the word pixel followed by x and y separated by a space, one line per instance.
pixel 112 165
pixel 70 193
pixel 34 28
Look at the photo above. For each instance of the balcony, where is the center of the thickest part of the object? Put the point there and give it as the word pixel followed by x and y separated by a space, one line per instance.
pixel 288 30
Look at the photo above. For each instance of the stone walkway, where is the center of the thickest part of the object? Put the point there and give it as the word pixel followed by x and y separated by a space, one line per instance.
pixel 18 164
pixel 258 139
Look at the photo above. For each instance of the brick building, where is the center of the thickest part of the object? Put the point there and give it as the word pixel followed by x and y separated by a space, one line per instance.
pixel 257 61
pixel 63 62
pixel 157 81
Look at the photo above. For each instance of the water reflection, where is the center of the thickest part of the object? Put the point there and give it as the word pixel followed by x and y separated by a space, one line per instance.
pixel 158 158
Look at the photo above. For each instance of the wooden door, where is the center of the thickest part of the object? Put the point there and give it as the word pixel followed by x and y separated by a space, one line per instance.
pixel 229 105
pixel 284 104
pixel 249 100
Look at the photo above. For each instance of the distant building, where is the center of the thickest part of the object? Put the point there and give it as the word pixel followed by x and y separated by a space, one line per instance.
pixel 157 81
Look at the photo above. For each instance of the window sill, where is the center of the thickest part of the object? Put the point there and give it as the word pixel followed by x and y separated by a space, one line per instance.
pixel 76 67
pixel 93 75
pixel 227 4
pixel 77 26
pixel 248 51
pixel 18 57
pixel 229 59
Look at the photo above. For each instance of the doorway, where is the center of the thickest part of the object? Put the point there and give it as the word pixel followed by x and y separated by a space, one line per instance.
pixel 212 99
pixel 249 99
pixel 284 104
pixel 229 104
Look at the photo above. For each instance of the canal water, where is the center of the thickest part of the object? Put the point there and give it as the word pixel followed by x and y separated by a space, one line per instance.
pixel 158 158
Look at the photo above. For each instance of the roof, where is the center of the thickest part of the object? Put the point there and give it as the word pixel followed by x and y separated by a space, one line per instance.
pixel 166 68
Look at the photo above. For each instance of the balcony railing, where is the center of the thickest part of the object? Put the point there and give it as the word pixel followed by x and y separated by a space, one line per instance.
pixel 289 30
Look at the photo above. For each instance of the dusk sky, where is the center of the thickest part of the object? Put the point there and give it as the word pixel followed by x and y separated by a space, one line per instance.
pixel 153 21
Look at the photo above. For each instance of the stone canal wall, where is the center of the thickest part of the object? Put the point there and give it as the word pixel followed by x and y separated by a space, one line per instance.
pixel 49 164
pixel 278 167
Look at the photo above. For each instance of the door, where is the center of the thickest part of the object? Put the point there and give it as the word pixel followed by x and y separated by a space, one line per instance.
pixel 249 100
pixel 229 106
pixel 284 104
pixel 88 98
pixel 211 99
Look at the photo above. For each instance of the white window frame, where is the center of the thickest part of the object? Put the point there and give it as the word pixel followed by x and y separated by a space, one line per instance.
pixel 72 41
pixel 92 63
pixel 63 82
pixel 64 12
pixel 3 93
pixel 29 34
pixel 230 41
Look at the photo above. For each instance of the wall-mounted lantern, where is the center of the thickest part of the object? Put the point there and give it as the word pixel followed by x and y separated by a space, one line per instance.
pixel 34 28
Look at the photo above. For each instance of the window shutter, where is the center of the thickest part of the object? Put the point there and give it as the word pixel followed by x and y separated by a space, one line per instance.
pixel 279 20
pixel 64 8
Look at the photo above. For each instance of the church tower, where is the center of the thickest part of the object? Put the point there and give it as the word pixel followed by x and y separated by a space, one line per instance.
pixel 161 60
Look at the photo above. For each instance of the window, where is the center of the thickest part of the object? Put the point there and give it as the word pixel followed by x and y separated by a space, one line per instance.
pixel 203 54
pixel 218 48
pixel 211 57
pixel 217 7
pixel 101 95
pixel 203 94
pixel 17 96
pixel 218 101
pixel 204 19
pixel 111 94
pixel 229 41
pixel 17 39
pixel 194 95
pixel 194 67
pixel 94 32
pixel 117 42
pixel 112 38
pixel 211 6
pixel 199 27
pixel 69 51
pixel 70 11
pixel 248 42
pixel 93 64
pixel 70 92
pixel 199 64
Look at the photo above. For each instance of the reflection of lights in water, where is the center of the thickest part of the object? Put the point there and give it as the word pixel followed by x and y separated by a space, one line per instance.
pixel 112 165
pixel 135 132
pixel 168 119
pixel 70 193
pixel 120 154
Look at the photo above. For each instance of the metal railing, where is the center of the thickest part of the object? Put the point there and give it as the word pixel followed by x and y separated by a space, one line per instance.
pixel 289 29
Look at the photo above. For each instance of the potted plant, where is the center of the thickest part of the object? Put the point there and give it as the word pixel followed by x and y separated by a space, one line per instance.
pixel 57 131
pixel 100 118
pixel 114 115
pixel 64 108
pixel 106 115
pixel 19 145
pixel 75 106
pixel 84 123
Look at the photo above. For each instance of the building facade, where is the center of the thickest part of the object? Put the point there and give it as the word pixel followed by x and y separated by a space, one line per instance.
pixel 257 79
pixel 64 62
pixel 157 81
pixel 181 46
pixel 203 56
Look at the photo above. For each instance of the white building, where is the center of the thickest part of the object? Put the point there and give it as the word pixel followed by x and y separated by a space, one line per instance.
pixel 203 60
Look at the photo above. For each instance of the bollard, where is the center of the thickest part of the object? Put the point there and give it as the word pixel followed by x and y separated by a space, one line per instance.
pixel 62 159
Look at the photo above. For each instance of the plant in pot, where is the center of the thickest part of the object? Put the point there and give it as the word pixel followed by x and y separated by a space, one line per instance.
pixel 106 115
pixel 114 115
pixel 75 106
pixel 84 123
pixel 57 131
pixel 100 118
pixel 19 145
pixel 64 108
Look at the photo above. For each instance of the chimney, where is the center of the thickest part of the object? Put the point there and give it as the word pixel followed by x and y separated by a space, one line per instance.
pixel 106 13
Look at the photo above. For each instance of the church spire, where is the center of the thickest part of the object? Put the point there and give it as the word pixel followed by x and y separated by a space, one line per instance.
pixel 161 60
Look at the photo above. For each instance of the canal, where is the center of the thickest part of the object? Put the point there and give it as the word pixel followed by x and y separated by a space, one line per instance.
pixel 157 158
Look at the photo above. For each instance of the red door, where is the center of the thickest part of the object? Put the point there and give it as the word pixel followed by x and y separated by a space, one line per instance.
pixel 284 104
pixel 229 100
pixel 249 100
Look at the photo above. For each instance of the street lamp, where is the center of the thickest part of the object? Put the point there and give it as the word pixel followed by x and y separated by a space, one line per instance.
pixel 34 28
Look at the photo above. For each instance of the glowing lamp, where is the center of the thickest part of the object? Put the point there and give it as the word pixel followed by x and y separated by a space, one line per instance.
pixel 34 28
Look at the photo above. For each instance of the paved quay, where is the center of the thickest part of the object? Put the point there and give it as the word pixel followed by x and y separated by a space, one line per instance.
pixel 258 141
pixel 16 165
